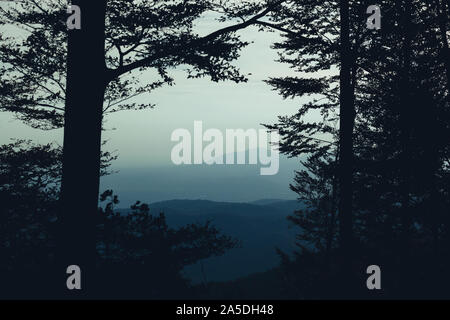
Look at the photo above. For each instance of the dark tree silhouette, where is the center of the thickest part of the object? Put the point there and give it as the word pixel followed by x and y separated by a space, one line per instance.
pixel 372 138
pixel 331 40
pixel 346 124
pixel 149 254
pixel 442 8
pixel 30 179
pixel 137 253
pixel 116 38
pixel 400 155
pixel 29 186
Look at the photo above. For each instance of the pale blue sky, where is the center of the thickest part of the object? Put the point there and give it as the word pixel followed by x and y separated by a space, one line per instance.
pixel 142 138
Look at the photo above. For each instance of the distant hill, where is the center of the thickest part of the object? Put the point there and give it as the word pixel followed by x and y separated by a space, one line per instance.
pixel 213 208
pixel 261 226
pixel 263 202
pixel 238 183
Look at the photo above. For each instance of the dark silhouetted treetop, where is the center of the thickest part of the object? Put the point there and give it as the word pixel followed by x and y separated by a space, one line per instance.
pixel 400 135
pixel 29 187
pixel 152 35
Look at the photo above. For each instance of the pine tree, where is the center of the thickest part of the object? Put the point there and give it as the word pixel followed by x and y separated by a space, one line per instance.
pixel 400 156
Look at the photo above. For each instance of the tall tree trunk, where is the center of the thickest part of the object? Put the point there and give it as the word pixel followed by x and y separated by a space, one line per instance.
pixel 408 113
pixel 332 217
pixel 347 118
pixel 435 144
pixel 82 143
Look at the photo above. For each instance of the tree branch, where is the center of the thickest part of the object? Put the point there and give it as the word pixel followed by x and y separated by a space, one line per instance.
pixel 195 43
